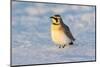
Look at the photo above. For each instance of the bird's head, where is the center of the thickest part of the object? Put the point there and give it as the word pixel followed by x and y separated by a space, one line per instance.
pixel 56 19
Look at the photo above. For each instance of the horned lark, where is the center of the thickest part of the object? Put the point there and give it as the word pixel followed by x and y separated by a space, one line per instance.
pixel 60 33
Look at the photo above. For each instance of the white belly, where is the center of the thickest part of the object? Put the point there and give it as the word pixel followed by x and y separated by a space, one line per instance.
pixel 59 37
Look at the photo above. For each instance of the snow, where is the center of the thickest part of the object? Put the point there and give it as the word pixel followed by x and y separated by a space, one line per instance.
pixel 50 53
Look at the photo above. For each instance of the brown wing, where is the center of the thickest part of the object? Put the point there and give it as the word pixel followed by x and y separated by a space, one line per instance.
pixel 68 32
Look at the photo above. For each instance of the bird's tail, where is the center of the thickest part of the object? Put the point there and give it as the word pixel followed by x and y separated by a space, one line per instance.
pixel 71 43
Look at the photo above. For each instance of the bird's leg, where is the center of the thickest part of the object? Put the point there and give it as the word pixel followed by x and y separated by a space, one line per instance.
pixel 60 46
pixel 63 45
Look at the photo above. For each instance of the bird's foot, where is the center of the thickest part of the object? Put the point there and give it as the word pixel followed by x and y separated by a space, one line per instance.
pixel 63 46
pixel 60 46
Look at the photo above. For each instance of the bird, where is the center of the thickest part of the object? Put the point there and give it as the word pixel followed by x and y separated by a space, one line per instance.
pixel 60 32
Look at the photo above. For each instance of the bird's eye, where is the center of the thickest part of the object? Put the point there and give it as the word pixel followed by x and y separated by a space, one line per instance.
pixel 56 19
